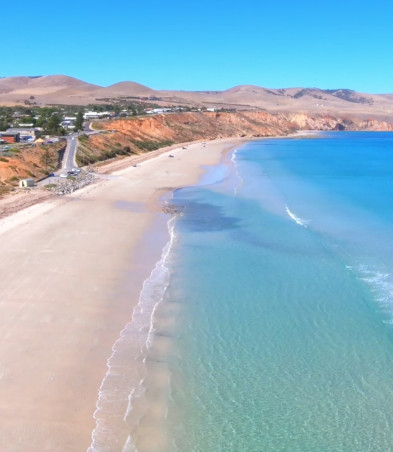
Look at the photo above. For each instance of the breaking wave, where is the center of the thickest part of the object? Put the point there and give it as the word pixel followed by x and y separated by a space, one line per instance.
pixel 296 219
pixel 123 383
pixel 381 286
pixel 237 173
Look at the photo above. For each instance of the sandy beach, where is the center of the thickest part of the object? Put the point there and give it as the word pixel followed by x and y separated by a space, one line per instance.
pixel 72 269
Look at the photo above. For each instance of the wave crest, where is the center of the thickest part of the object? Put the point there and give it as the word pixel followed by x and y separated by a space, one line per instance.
pixel 296 219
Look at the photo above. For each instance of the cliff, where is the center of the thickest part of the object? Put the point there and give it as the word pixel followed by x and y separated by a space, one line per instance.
pixel 28 161
pixel 138 135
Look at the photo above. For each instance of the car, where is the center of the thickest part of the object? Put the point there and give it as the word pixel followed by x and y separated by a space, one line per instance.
pixel 64 175
pixel 171 155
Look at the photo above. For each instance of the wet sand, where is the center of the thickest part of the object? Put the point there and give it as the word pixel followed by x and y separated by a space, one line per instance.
pixel 71 271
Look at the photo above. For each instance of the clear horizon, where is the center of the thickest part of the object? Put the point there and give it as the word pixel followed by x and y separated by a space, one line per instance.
pixel 205 46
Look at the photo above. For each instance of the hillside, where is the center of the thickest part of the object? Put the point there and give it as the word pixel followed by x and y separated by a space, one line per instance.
pixel 140 135
pixel 60 89
pixel 35 162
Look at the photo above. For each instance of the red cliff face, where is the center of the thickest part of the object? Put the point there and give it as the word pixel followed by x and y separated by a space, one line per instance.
pixel 138 135
pixel 33 162
pixel 209 125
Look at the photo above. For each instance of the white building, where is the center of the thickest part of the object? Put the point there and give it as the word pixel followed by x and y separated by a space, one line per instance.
pixel 25 183
pixel 96 115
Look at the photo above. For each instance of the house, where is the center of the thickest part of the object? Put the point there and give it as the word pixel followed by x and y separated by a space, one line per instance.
pixel 25 131
pixel 10 137
pixel 156 111
pixel 25 183
pixel 96 115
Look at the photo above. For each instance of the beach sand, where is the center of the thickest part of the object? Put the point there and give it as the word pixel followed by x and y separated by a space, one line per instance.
pixel 71 272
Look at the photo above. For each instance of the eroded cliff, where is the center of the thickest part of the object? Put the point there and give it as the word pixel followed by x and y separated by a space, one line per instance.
pixel 138 135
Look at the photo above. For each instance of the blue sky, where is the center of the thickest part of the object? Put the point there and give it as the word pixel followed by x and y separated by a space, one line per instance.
pixel 203 45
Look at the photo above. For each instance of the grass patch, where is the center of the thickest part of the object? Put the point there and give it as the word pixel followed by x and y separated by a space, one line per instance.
pixel 97 126
pixel 4 189
pixel 49 186
pixel 3 159
pixel 151 145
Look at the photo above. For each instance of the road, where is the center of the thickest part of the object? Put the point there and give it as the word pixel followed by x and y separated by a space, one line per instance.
pixel 69 161
pixel 69 155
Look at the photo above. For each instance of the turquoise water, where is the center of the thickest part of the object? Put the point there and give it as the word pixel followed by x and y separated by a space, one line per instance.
pixel 281 296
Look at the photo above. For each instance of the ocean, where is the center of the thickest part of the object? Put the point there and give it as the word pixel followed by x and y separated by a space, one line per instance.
pixel 268 322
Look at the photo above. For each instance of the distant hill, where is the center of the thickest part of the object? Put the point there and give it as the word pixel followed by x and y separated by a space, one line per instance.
pixel 61 89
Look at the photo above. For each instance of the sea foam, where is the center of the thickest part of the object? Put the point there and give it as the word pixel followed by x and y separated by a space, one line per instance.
pixel 237 173
pixel 381 286
pixel 124 381
pixel 296 219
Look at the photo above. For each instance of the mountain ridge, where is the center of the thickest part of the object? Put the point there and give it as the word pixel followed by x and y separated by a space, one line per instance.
pixel 63 89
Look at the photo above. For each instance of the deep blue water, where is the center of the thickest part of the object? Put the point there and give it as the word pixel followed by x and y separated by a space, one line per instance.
pixel 281 291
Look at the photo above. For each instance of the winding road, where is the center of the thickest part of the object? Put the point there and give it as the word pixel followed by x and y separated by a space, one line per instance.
pixel 69 160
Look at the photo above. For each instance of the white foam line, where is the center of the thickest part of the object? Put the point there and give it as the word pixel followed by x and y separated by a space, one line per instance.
pixel 159 276
pixel 296 219
pixel 239 178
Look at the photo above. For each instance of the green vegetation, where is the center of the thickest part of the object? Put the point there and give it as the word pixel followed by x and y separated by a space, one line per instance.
pixel 79 122
pixel 4 189
pixel 86 157
pixel 4 123
pixel 97 125
pixel 3 159
pixel 83 138
pixel 50 159
pixel 151 145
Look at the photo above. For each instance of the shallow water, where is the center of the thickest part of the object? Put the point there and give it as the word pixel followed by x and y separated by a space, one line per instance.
pixel 282 271
pixel 267 324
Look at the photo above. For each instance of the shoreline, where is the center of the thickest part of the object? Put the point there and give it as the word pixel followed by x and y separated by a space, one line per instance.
pixel 14 202
pixel 73 282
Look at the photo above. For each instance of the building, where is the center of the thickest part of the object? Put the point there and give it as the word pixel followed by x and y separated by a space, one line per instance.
pixel 31 132
pixel 96 115
pixel 25 183
pixel 156 111
pixel 10 137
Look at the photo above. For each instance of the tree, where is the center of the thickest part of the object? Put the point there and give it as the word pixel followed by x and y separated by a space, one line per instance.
pixel 79 122
pixel 46 159
pixel 4 124
pixel 52 126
